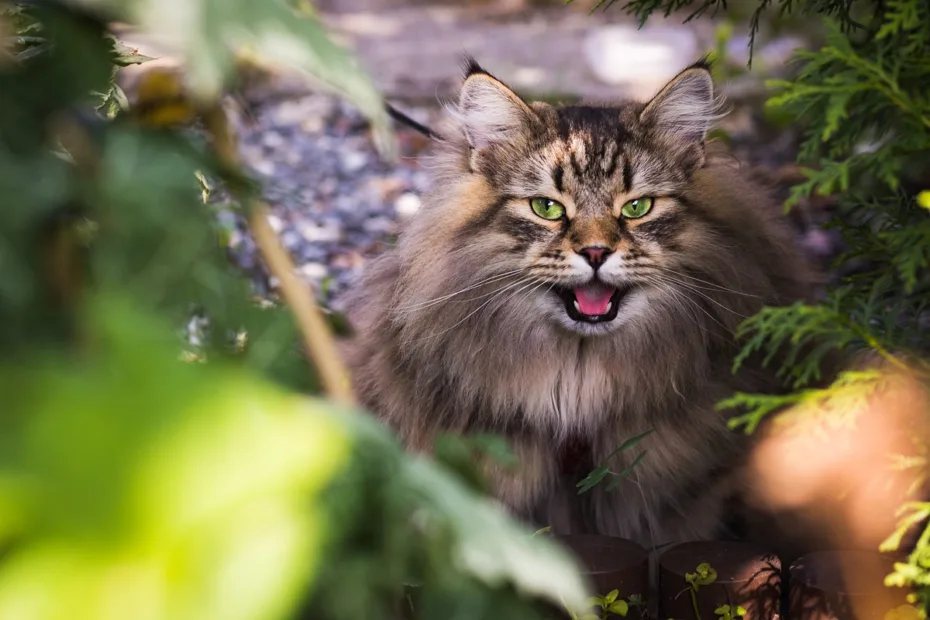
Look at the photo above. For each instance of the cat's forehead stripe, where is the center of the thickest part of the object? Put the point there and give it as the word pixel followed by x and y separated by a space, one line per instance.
pixel 558 177
pixel 609 159
pixel 627 175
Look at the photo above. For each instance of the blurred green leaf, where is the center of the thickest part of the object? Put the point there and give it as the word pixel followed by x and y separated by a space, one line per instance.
pixel 210 33
pixel 147 486
pixel 620 608
pixel 125 55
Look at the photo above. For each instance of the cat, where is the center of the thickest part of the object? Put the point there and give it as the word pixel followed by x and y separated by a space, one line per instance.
pixel 574 279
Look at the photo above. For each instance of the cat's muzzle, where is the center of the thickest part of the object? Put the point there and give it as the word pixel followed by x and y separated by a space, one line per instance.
pixel 594 302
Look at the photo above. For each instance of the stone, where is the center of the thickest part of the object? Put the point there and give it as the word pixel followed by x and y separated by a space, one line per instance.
pixel 621 54
pixel 407 204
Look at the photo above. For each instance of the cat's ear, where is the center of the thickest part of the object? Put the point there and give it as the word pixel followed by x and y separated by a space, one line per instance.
pixel 489 111
pixel 687 106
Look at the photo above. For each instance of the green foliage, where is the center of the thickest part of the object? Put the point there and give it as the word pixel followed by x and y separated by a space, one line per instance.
pixel 597 476
pixel 883 82
pixel 211 34
pixel 608 606
pixel 703 575
pixel 189 490
pixel 730 612
pixel 160 454
pixel 611 605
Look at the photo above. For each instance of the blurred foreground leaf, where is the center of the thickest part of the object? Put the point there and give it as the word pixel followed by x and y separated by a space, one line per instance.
pixel 135 485
pixel 211 34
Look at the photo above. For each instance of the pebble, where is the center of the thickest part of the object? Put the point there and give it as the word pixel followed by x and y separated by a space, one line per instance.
pixel 334 202
pixel 353 161
pixel 406 205
pixel 276 224
pixel 314 271
pixel 622 54
pixel 315 233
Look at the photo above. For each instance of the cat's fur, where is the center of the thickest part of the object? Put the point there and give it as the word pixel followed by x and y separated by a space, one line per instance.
pixel 459 328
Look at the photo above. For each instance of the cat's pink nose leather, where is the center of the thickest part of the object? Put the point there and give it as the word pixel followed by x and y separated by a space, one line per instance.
pixel 594 254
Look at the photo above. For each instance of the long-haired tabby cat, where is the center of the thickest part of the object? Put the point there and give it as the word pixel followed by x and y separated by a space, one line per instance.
pixel 574 279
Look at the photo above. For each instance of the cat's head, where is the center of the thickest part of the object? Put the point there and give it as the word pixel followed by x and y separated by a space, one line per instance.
pixel 582 211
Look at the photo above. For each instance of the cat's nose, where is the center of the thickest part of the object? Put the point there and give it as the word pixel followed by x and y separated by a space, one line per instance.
pixel 595 255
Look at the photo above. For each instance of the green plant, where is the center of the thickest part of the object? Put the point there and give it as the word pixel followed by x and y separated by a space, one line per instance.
pixel 607 606
pixel 728 612
pixel 597 476
pixel 166 450
pixel 611 605
pixel 703 575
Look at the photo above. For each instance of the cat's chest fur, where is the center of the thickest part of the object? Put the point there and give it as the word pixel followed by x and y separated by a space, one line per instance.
pixel 569 389
pixel 580 388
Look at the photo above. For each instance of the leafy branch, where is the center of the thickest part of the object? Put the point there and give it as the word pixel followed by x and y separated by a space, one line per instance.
pixel 595 477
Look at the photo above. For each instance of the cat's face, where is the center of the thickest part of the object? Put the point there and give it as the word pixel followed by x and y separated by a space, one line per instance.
pixel 588 202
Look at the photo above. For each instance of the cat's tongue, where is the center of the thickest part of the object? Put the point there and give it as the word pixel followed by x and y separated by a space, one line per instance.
pixel 593 298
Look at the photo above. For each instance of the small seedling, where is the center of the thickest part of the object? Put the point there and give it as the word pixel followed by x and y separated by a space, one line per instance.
pixel 636 601
pixel 610 605
pixel 703 575
pixel 607 606
pixel 730 612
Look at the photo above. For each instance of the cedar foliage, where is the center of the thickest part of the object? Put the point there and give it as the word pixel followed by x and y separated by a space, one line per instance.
pixel 864 100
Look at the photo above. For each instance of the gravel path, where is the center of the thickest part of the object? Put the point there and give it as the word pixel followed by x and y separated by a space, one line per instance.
pixel 335 202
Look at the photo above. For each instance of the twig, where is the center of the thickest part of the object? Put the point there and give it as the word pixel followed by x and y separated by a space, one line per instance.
pixel 299 297
pixel 317 337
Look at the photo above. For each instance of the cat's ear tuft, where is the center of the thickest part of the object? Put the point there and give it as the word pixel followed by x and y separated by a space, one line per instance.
pixel 687 106
pixel 489 111
pixel 471 67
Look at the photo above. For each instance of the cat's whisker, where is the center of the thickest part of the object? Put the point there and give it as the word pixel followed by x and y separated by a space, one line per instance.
pixel 690 287
pixel 714 285
pixel 528 290
pixel 680 297
pixel 497 294
pixel 471 299
pixel 490 280
pixel 675 297
pixel 524 284
pixel 539 285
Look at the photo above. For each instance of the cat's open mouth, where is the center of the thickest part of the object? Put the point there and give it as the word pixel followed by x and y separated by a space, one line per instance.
pixel 594 302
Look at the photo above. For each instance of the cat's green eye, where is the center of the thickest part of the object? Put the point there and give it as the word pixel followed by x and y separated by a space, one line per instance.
pixel 547 209
pixel 639 207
